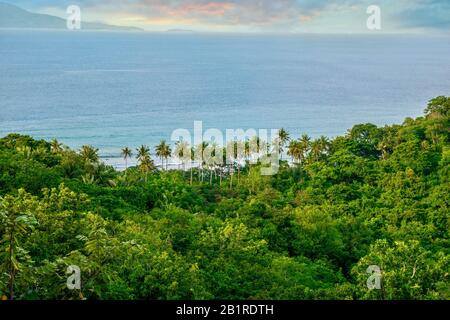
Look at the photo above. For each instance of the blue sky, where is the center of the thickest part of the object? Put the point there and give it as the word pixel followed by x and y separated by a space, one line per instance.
pixel 321 16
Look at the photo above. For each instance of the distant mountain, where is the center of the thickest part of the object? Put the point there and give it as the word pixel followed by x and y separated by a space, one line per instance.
pixel 17 18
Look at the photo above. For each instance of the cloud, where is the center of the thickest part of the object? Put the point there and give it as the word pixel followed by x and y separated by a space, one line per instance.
pixel 259 14
pixel 426 14
pixel 226 12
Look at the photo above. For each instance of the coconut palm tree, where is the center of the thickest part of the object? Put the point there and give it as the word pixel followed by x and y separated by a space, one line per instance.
pixel 231 159
pixel 316 150
pixel 192 158
pixel 146 165
pixel 143 152
pixel 26 151
pixel 263 147
pixel 126 153
pixel 199 150
pixel 211 160
pixel 167 155
pixel 324 144
pixel 223 164
pixel 89 154
pixel 55 146
pixel 283 139
pixel 294 151
pixel 247 151
pixel 182 152
pixel 159 151
pixel 210 163
pixel 305 144
pixel 163 151
pixel 240 154
pixel 255 146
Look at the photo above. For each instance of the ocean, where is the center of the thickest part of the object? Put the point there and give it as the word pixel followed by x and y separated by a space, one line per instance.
pixel 112 90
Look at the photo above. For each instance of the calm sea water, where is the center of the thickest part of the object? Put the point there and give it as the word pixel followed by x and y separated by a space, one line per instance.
pixel 125 89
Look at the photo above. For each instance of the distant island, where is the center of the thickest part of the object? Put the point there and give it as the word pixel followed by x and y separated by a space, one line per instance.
pixel 13 17
pixel 179 30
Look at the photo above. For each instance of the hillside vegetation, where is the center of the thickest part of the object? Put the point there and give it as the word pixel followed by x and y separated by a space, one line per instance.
pixel 376 196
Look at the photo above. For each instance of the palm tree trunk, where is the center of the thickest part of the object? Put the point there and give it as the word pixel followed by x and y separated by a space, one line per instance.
pixel 239 173
pixel 231 178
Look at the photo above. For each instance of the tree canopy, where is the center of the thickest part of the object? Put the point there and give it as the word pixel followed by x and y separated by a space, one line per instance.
pixel 377 196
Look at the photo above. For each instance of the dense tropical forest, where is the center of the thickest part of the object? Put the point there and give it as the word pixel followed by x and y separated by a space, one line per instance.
pixel 376 196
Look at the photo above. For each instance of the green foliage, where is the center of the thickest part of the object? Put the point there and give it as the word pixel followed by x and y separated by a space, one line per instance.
pixel 439 106
pixel 408 271
pixel 376 196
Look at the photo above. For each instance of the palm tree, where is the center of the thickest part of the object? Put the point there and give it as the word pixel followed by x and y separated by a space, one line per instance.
pixel 163 151
pixel 240 154
pixel 231 158
pixel 247 151
pixel 88 178
pixel 316 150
pixel 192 158
pixel 126 153
pixel 255 146
pixel 143 152
pixel 26 151
pixel 146 165
pixel 283 139
pixel 199 150
pixel 89 154
pixel 182 152
pixel 263 147
pixel 211 160
pixel 305 144
pixel 159 151
pixel 167 153
pixel 324 143
pixel 223 164
pixel 294 150
pixel 55 146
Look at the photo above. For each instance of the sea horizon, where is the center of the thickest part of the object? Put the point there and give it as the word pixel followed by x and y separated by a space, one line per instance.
pixel 117 89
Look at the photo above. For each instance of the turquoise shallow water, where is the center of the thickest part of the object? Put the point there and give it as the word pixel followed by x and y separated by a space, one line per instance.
pixel 117 89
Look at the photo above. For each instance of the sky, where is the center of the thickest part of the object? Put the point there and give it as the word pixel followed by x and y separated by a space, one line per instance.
pixel 286 16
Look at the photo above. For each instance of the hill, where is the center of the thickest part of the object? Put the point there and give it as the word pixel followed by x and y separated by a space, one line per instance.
pixel 13 17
